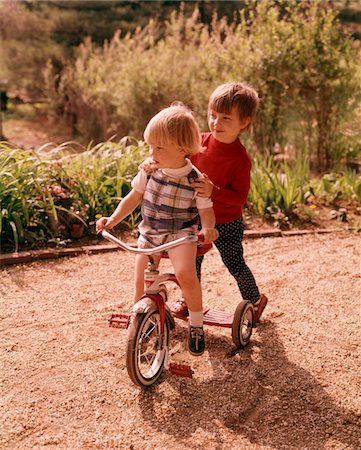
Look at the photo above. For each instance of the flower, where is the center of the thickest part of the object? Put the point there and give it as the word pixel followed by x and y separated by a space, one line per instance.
pixel 58 191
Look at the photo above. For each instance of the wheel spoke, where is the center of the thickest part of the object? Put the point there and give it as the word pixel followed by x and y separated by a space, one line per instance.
pixel 150 348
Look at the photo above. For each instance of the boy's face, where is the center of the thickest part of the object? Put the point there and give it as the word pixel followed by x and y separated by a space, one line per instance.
pixel 166 155
pixel 226 127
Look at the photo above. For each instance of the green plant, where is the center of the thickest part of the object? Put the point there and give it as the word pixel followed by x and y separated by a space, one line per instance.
pixel 20 177
pixel 295 53
pixel 278 216
pixel 334 187
pixel 357 226
pixel 100 176
pixel 43 193
pixel 278 185
pixel 340 214
pixel 305 213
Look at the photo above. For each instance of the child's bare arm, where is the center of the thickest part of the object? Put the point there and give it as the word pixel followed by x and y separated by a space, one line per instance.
pixel 124 208
pixel 208 222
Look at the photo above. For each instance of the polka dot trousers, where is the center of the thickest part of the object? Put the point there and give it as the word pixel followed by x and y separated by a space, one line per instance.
pixel 229 245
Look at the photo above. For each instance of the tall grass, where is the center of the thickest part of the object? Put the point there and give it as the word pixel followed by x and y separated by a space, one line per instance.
pixel 342 186
pixel 278 185
pixel 21 175
pixel 43 192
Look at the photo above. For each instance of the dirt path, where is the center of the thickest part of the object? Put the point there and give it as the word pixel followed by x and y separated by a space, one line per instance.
pixel 64 383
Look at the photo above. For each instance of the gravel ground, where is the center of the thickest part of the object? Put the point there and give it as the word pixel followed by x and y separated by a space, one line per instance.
pixel 64 384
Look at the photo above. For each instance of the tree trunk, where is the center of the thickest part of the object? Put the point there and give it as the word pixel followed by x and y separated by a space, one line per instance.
pixel 2 137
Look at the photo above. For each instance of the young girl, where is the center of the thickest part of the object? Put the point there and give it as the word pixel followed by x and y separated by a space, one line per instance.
pixel 226 168
pixel 170 208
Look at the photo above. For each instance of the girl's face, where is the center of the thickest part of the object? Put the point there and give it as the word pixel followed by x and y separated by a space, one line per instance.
pixel 226 127
pixel 166 155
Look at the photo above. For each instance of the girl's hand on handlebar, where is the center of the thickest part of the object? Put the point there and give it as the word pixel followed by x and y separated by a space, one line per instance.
pixel 104 223
pixel 208 235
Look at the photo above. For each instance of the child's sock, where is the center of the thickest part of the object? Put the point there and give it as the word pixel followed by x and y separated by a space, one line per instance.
pixel 196 318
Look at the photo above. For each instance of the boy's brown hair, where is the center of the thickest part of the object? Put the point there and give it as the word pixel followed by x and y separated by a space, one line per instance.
pixel 235 94
pixel 175 126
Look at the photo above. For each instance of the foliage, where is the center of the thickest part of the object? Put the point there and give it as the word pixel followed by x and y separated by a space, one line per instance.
pixel 33 32
pixel 26 46
pixel 295 53
pixel 306 69
pixel 277 188
pixel 44 192
pixel 281 192
pixel 334 187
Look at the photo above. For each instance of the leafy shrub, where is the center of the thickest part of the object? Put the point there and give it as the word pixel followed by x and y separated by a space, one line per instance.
pixel 294 53
pixel 334 187
pixel 43 192
pixel 277 188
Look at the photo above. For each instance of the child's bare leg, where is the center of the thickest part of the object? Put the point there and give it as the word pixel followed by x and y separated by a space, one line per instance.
pixel 141 263
pixel 183 261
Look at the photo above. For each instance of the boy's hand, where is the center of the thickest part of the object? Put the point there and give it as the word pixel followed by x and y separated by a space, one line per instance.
pixel 104 223
pixel 209 235
pixel 148 165
pixel 203 186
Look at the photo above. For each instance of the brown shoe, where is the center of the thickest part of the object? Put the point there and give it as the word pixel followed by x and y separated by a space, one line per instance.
pixel 259 307
pixel 179 308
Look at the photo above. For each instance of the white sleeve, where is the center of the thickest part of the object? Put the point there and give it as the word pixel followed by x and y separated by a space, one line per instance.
pixel 139 182
pixel 203 202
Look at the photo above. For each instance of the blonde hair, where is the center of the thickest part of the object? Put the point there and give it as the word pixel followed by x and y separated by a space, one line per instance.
pixel 175 126
pixel 235 94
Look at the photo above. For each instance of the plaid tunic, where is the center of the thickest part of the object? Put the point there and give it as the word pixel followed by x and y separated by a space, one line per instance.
pixel 169 209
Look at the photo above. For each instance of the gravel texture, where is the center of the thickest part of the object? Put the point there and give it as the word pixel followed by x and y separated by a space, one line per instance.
pixel 64 383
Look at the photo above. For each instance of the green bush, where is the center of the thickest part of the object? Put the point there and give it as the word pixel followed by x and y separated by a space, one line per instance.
pixel 44 192
pixel 277 188
pixel 296 54
pixel 283 191
pixel 335 187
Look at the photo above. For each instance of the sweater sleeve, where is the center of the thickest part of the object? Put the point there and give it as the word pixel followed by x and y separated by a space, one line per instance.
pixel 237 192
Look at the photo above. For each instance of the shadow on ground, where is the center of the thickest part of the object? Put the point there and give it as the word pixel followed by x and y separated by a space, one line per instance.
pixel 257 393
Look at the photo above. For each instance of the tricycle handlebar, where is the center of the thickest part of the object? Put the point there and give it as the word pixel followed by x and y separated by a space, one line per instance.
pixel 148 251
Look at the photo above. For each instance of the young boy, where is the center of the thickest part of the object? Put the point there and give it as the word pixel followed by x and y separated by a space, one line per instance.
pixel 226 168
pixel 170 208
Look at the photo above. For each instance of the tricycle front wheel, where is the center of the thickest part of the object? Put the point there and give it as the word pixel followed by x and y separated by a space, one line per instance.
pixel 147 348
pixel 242 324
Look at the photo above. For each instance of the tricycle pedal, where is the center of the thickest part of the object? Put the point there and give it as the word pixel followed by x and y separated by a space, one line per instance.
pixel 119 321
pixel 181 370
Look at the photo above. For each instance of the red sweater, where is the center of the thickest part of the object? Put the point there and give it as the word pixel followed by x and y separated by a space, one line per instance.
pixel 229 168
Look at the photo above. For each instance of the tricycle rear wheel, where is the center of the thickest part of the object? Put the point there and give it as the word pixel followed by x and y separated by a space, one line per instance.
pixel 242 324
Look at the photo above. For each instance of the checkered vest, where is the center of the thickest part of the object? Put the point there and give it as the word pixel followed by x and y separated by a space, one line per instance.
pixel 168 204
